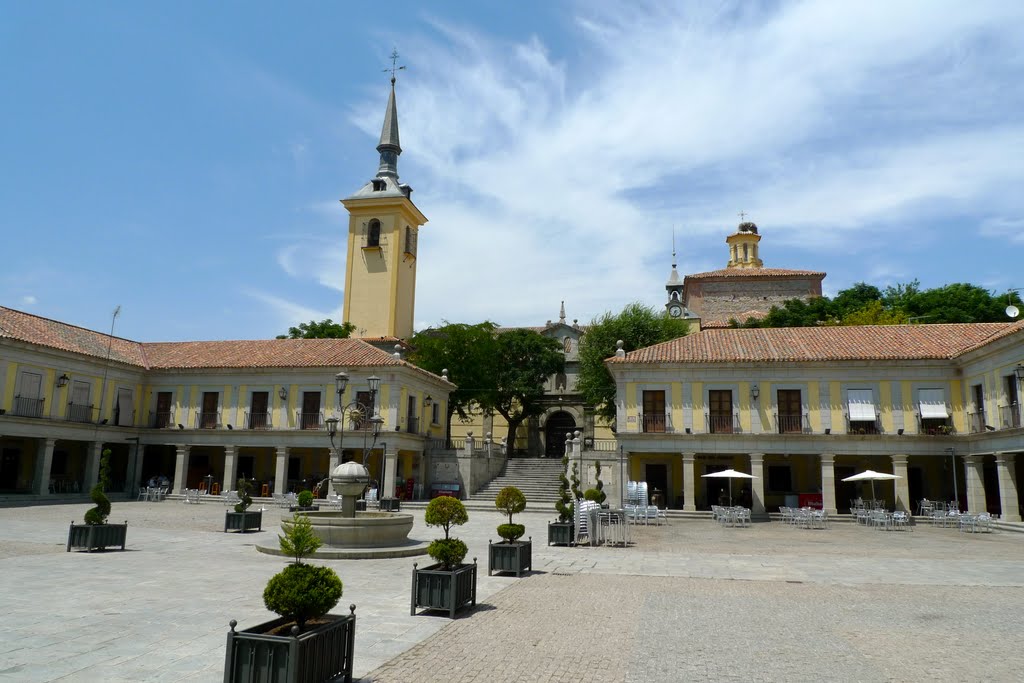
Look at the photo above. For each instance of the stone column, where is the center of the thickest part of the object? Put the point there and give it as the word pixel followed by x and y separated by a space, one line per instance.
pixel 1005 470
pixel 230 469
pixel 390 472
pixel 44 461
pixel 131 477
pixel 92 465
pixel 828 483
pixel 899 468
pixel 757 510
pixel 975 484
pixel 281 471
pixel 181 467
pixel 689 482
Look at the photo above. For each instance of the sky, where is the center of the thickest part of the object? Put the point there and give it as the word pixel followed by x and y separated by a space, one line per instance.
pixel 184 161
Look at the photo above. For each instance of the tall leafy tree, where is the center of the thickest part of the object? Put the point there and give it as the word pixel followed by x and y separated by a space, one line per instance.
pixel 325 329
pixel 523 362
pixel 637 326
pixel 467 352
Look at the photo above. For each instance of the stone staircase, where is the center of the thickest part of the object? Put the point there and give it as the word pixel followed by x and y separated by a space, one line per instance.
pixel 537 478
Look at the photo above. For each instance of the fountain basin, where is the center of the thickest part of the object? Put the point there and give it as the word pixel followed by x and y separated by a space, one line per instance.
pixel 368 535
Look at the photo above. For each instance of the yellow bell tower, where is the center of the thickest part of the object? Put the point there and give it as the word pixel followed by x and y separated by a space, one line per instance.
pixel 383 229
pixel 743 246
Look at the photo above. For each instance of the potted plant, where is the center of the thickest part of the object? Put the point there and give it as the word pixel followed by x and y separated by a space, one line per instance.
pixel 305 501
pixel 599 485
pixel 305 644
pixel 511 554
pixel 560 532
pixel 449 584
pixel 241 519
pixel 96 533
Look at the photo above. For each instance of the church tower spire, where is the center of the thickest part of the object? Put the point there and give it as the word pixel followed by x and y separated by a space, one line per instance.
pixel 383 232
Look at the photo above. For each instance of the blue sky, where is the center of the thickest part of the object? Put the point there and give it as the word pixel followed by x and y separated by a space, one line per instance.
pixel 184 160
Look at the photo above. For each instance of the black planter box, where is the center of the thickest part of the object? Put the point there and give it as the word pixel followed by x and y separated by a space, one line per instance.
pixel 243 521
pixel 307 508
pixel 96 536
pixel 360 505
pixel 390 505
pixel 321 654
pixel 436 588
pixel 510 557
pixel 561 533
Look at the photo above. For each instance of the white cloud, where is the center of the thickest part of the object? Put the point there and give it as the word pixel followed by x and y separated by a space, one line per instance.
pixel 289 313
pixel 29 300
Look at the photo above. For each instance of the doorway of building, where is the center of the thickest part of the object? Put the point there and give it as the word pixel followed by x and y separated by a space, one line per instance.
pixel 656 476
pixel 558 427
pixel 10 465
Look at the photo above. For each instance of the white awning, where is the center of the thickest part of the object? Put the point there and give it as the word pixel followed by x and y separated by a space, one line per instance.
pixel 861 405
pixel 932 404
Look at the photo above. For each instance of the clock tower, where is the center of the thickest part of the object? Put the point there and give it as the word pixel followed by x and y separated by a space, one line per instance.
pixel 674 288
pixel 383 230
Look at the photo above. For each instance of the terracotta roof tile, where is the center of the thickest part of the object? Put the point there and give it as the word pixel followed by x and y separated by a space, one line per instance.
pixel 802 344
pixel 753 272
pixel 34 329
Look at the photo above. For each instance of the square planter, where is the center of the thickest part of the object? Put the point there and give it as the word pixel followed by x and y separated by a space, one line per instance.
pixel 437 588
pixel 321 654
pixel 243 521
pixel 361 505
pixel 390 505
pixel 96 536
pixel 510 557
pixel 561 533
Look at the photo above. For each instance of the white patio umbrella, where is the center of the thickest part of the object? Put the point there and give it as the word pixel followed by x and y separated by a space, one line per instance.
pixel 730 475
pixel 872 476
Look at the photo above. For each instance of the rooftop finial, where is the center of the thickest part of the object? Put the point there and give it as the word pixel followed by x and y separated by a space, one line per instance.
pixel 673 246
pixel 561 314
pixel 394 65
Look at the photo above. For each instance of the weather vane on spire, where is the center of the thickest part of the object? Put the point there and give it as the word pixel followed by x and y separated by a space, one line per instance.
pixel 741 214
pixel 394 65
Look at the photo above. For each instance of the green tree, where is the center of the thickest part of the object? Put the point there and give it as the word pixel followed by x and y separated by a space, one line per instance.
pixel 325 329
pixel 637 326
pixel 522 363
pixel 957 303
pixel 875 313
pixel 467 352
pixel 298 539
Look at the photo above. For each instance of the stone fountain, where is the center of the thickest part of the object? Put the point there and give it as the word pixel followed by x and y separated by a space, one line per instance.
pixel 349 534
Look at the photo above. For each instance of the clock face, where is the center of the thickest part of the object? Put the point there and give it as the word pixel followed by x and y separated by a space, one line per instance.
pixel 675 311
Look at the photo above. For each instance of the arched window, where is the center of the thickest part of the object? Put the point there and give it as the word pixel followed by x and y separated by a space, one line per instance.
pixel 373 233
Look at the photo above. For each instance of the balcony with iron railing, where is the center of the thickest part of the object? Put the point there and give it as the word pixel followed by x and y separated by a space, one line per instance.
pixel 976 422
pixel 161 419
pixel 27 407
pixel 935 426
pixel 412 425
pixel 207 420
pixel 310 420
pixel 654 423
pixel 863 426
pixel 791 423
pixel 1009 416
pixel 723 424
pixel 258 421
pixel 79 412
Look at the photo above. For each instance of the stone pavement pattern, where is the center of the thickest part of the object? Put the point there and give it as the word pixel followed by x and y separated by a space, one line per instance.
pixel 688 601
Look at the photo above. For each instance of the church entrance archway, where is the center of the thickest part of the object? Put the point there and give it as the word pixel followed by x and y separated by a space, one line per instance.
pixel 558 427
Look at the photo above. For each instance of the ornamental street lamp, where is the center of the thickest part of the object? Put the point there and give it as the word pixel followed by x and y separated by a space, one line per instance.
pixel 355 412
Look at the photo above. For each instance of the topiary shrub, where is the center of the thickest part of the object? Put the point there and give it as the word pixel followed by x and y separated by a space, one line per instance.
pixel 600 484
pixel 510 501
pixel 99 514
pixel 575 482
pixel 564 504
pixel 244 487
pixel 298 539
pixel 446 512
pixel 302 592
pixel 305 499
pixel 592 494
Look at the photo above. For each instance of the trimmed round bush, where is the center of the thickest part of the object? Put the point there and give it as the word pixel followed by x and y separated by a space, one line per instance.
pixel 446 512
pixel 510 533
pixel 302 592
pixel 305 498
pixel 448 552
pixel 594 495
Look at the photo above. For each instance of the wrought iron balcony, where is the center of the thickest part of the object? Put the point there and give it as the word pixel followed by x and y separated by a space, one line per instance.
pixel 161 419
pixel 863 426
pixel 27 407
pixel 654 423
pixel 790 423
pixel 723 424
pixel 310 420
pixel 412 425
pixel 208 420
pixel 1009 416
pixel 79 412
pixel 976 422
pixel 258 421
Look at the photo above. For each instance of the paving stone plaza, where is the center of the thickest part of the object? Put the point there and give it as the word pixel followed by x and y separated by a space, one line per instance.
pixel 689 601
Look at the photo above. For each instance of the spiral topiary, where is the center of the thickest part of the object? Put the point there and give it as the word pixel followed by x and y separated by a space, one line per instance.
pixel 99 514
pixel 244 487
pixel 600 484
pixel 564 504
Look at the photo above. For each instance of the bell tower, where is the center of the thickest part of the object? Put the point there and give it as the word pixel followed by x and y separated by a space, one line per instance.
pixel 383 230
pixel 743 246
